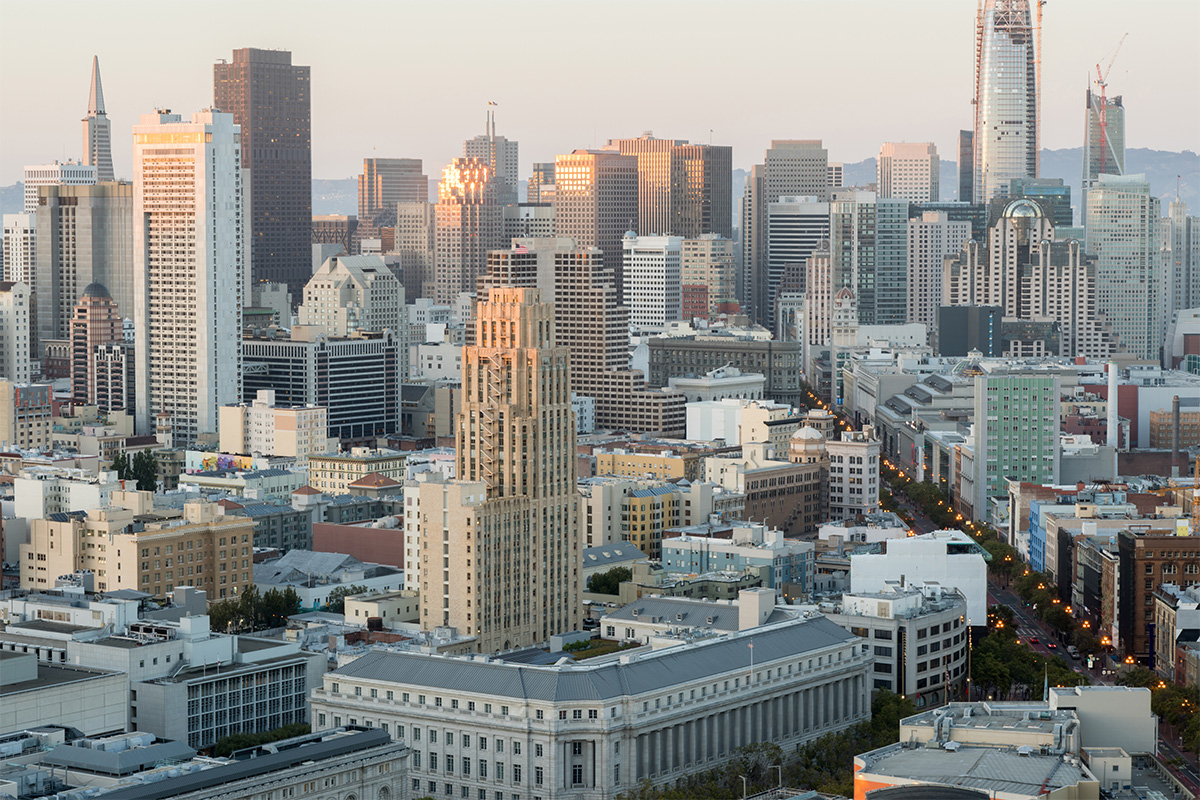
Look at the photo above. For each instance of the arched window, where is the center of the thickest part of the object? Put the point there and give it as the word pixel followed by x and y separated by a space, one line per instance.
pixel 385 793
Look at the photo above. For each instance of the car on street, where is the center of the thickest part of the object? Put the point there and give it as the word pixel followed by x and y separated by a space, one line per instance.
pixel 1034 640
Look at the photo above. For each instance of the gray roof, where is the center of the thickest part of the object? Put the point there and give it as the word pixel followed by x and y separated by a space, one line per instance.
pixel 611 554
pixel 300 565
pixel 122 762
pixel 986 768
pixel 609 680
pixel 687 613
pixel 266 510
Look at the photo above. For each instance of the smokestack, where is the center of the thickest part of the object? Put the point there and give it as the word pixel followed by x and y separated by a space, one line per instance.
pixel 1175 436
pixel 1112 405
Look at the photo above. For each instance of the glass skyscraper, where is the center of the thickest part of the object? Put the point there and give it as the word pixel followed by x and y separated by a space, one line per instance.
pixel 1006 106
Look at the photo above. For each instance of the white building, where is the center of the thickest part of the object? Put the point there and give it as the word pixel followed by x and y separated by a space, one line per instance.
pixel 314 575
pixel 594 730
pixel 585 413
pixel 910 171
pixel 653 280
pixel 853 474
pixel 349 294
pixel 438 361
pixel 788 561
pixel 865 529
pixel 70 173
pixel 191 252
pixel 20 249
pixel 930 239
pixel 650 617
pixel 720 384
pixel 40 491
pixel 949 559
pixel 14 332
pixel 736 420
pixel 264 428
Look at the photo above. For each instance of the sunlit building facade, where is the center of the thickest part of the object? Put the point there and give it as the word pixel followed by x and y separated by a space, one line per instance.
pixel 468 223
pixel 1006 103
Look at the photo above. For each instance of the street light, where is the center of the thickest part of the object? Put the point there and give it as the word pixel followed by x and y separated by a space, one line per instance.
pixel 780 768
pixel 743 777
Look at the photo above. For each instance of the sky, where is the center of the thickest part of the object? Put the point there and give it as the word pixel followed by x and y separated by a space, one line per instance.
pixel 399 78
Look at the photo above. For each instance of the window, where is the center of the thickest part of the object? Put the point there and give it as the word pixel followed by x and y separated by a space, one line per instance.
pixel 516 748
pixel 466 765
pixel 516 773
pixel 470 705
pixel 538 775
pixel 577 714
pixel 576 774
pixel 593 713
pixel 537 750
pixel 449 762
pixel 576 748
pixel 562 714
pixel 539 714
pixel 433 762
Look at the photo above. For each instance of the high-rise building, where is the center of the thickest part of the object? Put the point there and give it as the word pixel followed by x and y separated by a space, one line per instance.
pixel 1183 245
pixel 1006 101
pixel 819 294
pixel 966 167
pixel 653 272
pixel 910 171
pixel 414 244
pixel 837 175
pixel 468 224
pixel 528 221
pixel 683 189
pixel 115 382
pixel 84 236
pixel 596 201
pixel 190 255
pixel 868 243
pixel 14 332
pixel 1103 152
pixel 384 182
pixel 931 237
pixel 500 154
pixel 790 168
pixel 25 413
pixel 540 188
pixel 271 99
pixel 96 323
pixel 20 249
pixel 795 226
pixel 500 545
pixel 70 173
pixel 1131 286
pixel 1052 193
pixel 853 474
pixel 349 294
pixel 97 134
pixel 1048 289
pixel 336 229
pixel 709 261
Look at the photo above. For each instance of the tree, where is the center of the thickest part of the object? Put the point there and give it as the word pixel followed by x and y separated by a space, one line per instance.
pixel 145 471
pixel 337 598
pixel 609 582
pixel 122 467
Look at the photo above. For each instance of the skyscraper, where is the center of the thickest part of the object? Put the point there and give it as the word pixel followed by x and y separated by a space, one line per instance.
pixel 596 201
pixel 1183 246
pixel 97 135
pixel 468 223
pixel 790 168
pixel 499 547
pixel 14 332
pixel 1132 287
pixel 1052 193
pixel 653 274
pixel 94 324
pixel 500 154
pixel 966 167
pixel 20 259
pixel 931 237
pixel 69 173
pixel 1006 102
pixel 795 226
pixel 708 260
pixel 413 244
pixel 384 182
pixel 868 244
pixel 910 171
pixel 1103 153
pixel 190 257
pixel 541 183
pixel 270 99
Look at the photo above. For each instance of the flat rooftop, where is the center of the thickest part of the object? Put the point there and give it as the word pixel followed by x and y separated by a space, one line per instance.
pixel 985 768
pixel 54 675
pixel 995 716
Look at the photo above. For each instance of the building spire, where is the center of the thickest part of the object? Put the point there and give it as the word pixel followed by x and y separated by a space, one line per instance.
pixel 96 97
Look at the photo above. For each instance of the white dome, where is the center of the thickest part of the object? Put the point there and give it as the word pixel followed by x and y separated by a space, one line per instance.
pixel 807 432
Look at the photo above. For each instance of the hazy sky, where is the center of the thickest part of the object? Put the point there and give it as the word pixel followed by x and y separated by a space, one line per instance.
pixel 411 79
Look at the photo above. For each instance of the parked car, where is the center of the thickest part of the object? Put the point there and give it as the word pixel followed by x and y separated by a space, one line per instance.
pixel 1073 651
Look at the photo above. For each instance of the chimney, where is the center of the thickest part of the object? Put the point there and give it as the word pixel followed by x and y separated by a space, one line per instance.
pixel 1175 436
pixel 1112 404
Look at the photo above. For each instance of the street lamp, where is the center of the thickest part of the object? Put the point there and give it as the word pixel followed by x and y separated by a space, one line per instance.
pixel 780 768
pixel 743 777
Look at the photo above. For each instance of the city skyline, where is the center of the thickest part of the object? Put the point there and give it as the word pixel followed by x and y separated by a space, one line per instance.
pixel 593 102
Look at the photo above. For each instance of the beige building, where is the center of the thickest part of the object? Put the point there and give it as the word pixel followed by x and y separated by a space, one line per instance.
pixel 708 260
pixel 263 427
pixel 468 223
pixel 596 198
pixel 910 171
pixel 414 244
pixel 334 472
pixel 200 548
pixel 662 465
pixel 352 294
pixel 14 332
pixel 25 414
pixel 392 608
pixel 500 548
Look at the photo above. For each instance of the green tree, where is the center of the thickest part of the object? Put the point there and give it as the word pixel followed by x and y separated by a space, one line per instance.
pixel 337 598
pixel 122 467
pixel 145 471
pixel 609 582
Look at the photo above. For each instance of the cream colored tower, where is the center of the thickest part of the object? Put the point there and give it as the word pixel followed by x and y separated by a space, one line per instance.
pixel 499 549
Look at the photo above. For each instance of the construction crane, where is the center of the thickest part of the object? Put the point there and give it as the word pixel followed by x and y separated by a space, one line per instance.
pixel 1102 82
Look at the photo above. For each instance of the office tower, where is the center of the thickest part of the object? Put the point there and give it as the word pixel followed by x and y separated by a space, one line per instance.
pixel 1048 289
pixel 1183 257
pixel 71 173
pixel 683 189
pixel 1052 193
pixel 190 257
pixel 509 576
pixel 270 98
pixel 962 329
pixel 95 323
pixel 84 236
pixel 790 168
pixel 966 167
pixel 853 474
pixel 384 182
pixel 596 201
pixel 541 183
pixel 591 323
pixel 795 226
pixel 352 294
pixel 910 171
pixel 14 332
pixel 1006 102
pixel 1131 286
pixel 652 280
pixel 468 224
pixel 336 229
pixel 709 261
pixel 413 242
pixel 500 155
pixel 837 175
pixel 20 249
pixel 114 385
pixel 527 221
pixel 97 135
pixel 931 237
pixel 868 241
pixel 1103 152
pixel 819 293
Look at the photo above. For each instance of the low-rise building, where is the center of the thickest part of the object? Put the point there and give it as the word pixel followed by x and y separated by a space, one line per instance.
pixel 315 575
pixel 25 414
pixel 648 618
pixel 721 383
pixel 785 494
pixel 863 529
pixel 34 692
pixel 739 546
pixel 391 608
pixel 334 472
pixel 265 485
pixel 949 559
pixel 264 427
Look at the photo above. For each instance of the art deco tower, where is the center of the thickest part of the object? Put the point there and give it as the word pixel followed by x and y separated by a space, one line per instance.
pixel 97 137
pixel 1006 101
